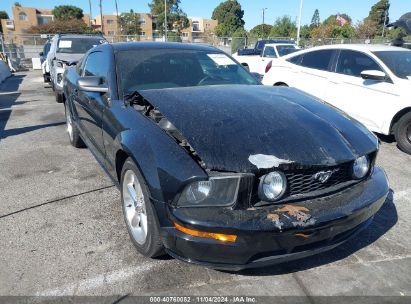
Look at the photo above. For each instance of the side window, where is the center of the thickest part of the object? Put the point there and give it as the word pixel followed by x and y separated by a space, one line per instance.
pixel 269 52
pixel 96 65
pixel 319 60
pixel 353 63
pixel 295 59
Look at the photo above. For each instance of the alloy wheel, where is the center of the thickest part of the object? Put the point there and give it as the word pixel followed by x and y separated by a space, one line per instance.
pixel 134 207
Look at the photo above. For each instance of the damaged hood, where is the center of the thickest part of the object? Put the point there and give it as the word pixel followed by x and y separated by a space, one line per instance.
pixel 243 128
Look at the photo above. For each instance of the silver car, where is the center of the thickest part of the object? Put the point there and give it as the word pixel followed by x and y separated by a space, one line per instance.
pixel 66 50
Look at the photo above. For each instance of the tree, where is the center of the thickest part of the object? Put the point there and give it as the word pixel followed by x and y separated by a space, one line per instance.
pixel 176 18
pixel 17 4
pixel 3 15
pixel 366 29
pixel 239 40
pixel 261 31
pixel 229 16
pixel 58 26
pixel 284 27
pixel 67 12
pixel 315 20
pixel 379 13
pixel 129 23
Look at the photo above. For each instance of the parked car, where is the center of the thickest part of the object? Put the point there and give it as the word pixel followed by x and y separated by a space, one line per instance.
pixel 44 63
pixel 371 83
pixel 271 51
pixel 259 46
pixel 66 50
pixel 214 168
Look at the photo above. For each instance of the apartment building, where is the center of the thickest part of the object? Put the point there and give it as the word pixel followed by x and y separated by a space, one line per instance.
pixel 25 17
pixel 111 27
pixel 198 29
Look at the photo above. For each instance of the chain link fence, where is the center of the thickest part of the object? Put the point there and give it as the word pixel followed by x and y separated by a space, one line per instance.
pixel 20 49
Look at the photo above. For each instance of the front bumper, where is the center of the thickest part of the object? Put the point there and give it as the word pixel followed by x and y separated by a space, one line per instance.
pixel 277 233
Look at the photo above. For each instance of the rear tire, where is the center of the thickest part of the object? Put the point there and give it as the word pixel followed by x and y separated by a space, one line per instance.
pixel 403 133
pixel 59 97
pixel 73 132
pixel 139 213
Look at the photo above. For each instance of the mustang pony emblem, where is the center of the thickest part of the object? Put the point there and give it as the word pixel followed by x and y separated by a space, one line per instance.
pixel 324 176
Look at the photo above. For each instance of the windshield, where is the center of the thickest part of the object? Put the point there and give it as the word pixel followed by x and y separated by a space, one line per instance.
pixel 171 68
pixel 286 49
pixel 399 62
pixel 77 45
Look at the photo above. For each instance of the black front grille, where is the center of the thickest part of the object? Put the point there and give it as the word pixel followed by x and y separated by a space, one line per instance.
pixel 305 181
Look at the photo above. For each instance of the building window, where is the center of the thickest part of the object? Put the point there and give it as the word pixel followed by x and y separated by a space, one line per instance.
pixel 111 33
pixel 142 21
pixel 110 21
pixel 44 20
pixel 184 35
pixel 196 26
pixel 23 17
pixel 142 34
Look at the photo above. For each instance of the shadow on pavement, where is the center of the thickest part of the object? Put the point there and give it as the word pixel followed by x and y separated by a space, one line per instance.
pixel 8 96
pixel 18 131
pixel 383 221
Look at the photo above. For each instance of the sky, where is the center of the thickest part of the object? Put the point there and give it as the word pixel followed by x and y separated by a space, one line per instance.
pixel 357 9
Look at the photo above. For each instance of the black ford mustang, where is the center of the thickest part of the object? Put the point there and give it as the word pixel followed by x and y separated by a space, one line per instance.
pixel 214 168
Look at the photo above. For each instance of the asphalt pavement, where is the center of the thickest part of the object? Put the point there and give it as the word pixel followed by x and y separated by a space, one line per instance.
pixel 62 229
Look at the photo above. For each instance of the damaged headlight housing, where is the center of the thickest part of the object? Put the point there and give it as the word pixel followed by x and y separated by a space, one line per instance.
pixel 272 186
pixel 361 167
pixel 216 191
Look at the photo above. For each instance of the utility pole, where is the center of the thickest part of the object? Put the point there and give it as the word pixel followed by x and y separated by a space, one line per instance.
pixel 115 1
pixel 385 22
pixel 299 21
pixel 165 20
pixel 101 17
pixel 89 4
pixel 262 30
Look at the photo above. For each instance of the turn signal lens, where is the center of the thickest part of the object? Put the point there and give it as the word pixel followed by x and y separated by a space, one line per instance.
pixel 209 235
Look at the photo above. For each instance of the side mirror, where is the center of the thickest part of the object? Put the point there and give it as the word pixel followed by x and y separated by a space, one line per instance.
pixel 374 75
pixel 41 54
pixel 92 84
pixel 245 65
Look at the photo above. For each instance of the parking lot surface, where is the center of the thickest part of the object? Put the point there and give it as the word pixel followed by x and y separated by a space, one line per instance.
pixel 62 229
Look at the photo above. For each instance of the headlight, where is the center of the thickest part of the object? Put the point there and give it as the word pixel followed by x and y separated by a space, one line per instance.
pixel 361 167
pixel 272 186
pixel 216 191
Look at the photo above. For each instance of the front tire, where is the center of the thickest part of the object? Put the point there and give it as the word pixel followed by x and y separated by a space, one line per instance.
pixel 72 130
pixel 403 133
pixel 139 213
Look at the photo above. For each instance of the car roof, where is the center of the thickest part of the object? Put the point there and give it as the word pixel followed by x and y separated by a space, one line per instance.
pixel 283 43
pixel 125 46
pixel 79 36
pixel 359 47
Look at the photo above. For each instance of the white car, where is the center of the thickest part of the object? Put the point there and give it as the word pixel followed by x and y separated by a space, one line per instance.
pixel 371 83
pixel 258 63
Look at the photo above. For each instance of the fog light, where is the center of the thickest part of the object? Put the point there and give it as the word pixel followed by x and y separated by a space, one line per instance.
pixel 361 167
pixel 209 235
pixel 272 186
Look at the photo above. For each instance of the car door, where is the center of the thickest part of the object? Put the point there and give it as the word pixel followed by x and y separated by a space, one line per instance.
pixel 312 72
pixel 90 106
pixel 363 99
pixel 268 55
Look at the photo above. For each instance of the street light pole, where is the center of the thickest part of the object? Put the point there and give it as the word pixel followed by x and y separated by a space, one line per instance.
pixel 165 20
pixel 299 22
pixel 262 30
pixel 89 4
pixel 385 22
